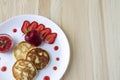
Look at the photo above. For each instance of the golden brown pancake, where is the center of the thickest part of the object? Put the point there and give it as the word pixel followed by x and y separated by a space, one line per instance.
pixel 21 49
pixel 38 57
pixel 24 70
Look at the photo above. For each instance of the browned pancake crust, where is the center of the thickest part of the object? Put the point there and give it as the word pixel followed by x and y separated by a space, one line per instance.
pixel 24 69
pixel 38 57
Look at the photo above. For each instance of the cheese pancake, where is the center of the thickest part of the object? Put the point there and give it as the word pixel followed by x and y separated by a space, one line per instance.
pixel 24 70
pixel 38 57
pixel 21 49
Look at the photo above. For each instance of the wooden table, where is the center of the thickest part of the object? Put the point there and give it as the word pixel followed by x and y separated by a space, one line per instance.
pixel 92 27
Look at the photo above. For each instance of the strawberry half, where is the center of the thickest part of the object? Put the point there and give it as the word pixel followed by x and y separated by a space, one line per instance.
pixel 33 26
pixel 44 33
pixel 25 25
pixel 50 38
pixel 40 27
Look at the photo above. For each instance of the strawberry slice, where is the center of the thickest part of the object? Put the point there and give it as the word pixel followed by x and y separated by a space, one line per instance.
pixel 50 38
pixel 44 33
pixel 33 26
pixel 40 27
pixel 25 26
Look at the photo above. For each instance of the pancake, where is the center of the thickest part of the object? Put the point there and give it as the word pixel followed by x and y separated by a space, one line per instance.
pixel 21 49
pixel 38 57
pixel 24 70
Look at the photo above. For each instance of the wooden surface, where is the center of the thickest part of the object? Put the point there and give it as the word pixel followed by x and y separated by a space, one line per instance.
pixel 92 27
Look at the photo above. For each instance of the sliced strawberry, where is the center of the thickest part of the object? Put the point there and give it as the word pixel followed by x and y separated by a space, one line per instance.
pixel 40 27
pixel 25 26
pixel 50 38
pixel 44 33
pixel 33 26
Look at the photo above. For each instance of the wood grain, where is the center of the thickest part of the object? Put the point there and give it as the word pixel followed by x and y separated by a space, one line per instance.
pixel 92 27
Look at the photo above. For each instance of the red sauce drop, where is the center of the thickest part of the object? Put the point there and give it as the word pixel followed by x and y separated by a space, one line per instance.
pixel 46 78
pixel 57 59
pixel 56 48
pixel 14 30
pixel 4 68
pixel 55 68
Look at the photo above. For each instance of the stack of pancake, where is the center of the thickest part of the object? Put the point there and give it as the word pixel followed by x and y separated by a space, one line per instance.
pixel 30 59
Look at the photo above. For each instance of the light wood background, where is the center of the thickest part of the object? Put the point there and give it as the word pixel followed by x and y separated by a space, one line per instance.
pixel 92 27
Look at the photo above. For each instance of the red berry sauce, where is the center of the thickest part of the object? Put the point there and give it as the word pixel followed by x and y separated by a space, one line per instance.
pixel 55 68
pixel 57 59
pixel 4 68
pixel 46 78
pixel 5 42
pixel 56 48
pixel 14 30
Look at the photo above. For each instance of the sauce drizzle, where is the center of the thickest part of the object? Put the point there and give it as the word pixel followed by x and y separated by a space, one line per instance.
pixel 14 30
pixel 46 78
pixel 57 59
pixel 4 68
pixel 56 48
pixel 55 68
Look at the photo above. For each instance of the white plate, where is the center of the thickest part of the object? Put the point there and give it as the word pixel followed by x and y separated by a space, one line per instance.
pixel 7 59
